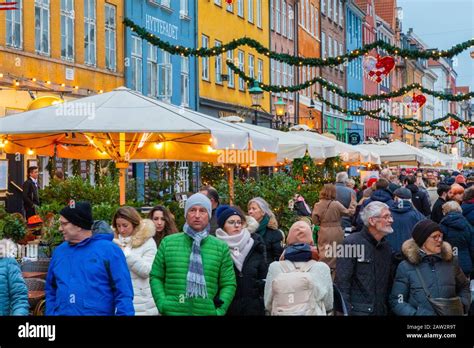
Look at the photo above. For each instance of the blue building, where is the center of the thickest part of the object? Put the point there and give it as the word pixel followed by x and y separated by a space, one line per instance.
pixel 354 78
pixel 154 72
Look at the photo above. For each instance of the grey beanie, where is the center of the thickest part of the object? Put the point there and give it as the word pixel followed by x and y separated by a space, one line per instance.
pixel 198 199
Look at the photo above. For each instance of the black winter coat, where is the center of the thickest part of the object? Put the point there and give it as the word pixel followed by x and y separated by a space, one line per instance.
pixel 441 273
pixel 30 197
pixel 437 213
pixel 420 199
pixel 363 280
pixel 248 299
pixel 273 240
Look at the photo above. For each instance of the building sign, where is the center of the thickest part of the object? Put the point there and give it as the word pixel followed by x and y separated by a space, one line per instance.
pixel 354 138
pixel 161 27
pixel 70 74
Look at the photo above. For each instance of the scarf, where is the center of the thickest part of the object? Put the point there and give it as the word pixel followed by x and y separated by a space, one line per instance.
pixel 239 245
pixel 196 283
pixel 262 228
pixel 124 241
pixel 300 252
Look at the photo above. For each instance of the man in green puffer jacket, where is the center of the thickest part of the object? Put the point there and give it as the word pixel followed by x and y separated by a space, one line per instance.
pixel 193 273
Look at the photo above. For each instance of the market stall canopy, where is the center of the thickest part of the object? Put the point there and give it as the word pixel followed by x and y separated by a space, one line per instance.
pixel 125 125
pixel 398 152
pixel 347 152
pixel 290 144
pixel 450 161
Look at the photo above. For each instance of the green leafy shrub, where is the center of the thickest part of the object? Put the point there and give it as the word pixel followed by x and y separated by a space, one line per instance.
pixel 14 227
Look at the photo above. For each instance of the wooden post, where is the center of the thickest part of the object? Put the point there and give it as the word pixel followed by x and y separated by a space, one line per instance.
pixel 122 166
pixel 231 184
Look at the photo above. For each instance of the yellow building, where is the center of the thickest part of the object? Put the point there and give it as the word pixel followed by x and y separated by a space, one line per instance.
pixel 59 58
pixel 221 92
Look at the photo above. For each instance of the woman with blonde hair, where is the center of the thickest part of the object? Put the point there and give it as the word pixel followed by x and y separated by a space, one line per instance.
pixel 327 215
pixel 134 236
pixel 272 237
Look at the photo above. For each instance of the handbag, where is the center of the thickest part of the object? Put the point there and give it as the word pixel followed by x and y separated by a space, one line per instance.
pixel 442 306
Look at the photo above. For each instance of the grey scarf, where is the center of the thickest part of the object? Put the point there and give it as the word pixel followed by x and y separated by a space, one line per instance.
pixel 196 283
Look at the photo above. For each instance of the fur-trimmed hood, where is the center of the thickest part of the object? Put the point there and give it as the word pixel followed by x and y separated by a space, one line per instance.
pixel 414 255
pixel 141 234
pixel 252 224
pixel 273 223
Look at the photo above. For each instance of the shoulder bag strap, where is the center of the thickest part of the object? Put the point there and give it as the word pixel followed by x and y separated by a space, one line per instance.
pixel 422 282
pixel 327 208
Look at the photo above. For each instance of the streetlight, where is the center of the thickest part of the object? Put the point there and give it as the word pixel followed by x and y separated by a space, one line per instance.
pixel 280 110
pixel 256 93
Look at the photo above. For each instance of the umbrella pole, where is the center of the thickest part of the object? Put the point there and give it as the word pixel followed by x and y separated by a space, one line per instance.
pixel 122 166
pixel 231 184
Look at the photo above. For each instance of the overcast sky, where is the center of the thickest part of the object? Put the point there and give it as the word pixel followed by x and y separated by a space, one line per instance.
pixel 443 24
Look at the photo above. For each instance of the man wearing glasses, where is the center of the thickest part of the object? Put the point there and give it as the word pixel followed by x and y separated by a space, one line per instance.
pixel 363 271
pixel 88 274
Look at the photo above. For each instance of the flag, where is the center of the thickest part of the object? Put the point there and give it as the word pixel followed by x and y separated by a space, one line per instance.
pixel 9 5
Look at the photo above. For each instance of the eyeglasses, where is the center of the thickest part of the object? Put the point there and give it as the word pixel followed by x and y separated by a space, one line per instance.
pixel 235 223
pixel 64 223
pixel 385 217
pixel 437 238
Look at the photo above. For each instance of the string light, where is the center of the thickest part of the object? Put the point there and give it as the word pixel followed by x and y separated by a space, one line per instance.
pixel 158 145
pixel 30 152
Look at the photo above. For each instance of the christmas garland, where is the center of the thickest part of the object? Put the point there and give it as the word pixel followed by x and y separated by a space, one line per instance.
pixel 294 60
pixel 354 96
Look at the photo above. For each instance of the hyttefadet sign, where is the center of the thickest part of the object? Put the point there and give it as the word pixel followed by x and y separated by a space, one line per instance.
pixel 37 331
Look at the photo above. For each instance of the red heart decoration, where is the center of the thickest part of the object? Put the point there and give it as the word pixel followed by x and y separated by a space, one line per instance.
pixel 420 99
pixel 378 73
pixel 454 125
pixel 386 63
pixel 470 131
pixel 229 1
pixel 372 73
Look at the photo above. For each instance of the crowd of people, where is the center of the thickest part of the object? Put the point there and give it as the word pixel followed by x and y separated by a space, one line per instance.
pixel 398 244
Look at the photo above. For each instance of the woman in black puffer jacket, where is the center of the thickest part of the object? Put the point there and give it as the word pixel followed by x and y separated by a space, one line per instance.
pixel 248 254
pixel 442 275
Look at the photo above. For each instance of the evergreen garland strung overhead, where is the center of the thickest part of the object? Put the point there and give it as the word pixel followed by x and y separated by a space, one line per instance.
pixel 354 96
pixel 292 60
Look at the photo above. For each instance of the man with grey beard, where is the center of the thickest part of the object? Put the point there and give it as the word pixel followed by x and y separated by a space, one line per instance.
pixel 364 281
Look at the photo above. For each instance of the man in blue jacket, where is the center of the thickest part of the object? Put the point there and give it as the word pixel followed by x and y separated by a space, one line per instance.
pixel 88 274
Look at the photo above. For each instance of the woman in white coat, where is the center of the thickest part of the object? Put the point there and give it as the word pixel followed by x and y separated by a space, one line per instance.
pixel 135 236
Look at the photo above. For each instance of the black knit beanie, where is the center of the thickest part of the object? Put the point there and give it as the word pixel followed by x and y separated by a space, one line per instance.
pixel 422 230
pixel 79 214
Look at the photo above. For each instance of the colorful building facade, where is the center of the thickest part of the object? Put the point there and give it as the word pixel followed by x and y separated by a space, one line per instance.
pixel 333 44
pixel 221 92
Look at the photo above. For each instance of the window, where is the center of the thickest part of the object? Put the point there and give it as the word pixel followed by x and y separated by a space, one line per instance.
pixel 185 81
pixel 230 72
pixel 15 26
pixel 218 64
pixel 303 79
pixel 278 72
pixel 291 22
pixel 329 9
pixel 166 3
pixel 335 11
pixel 240 8
pixel 341 14
pixel 316 23
pixel 217 2
pixel 272 69
pixel 136 63
pixel 230 8
pixel 323 6
pixel 283 18
pixel 110 37
pixel 277 16
pixel 152 70
pixel 323 45
pixel 165 73
pixel 272 9
pixel 290 79
pixel 335 47
pixel 42 26
pixel 251 66
pixel 184 8
pixel 341 67
pixel 241 57
pixel 250 11
pixel 311 25
pixel 329 47
pixel 259 13
pixel 89 32
pixel 260 70
pixel 302 16
pixel 205 60
pixel 67 29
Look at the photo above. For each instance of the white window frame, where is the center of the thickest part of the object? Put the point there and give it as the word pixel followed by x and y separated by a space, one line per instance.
pixel 316 24
pixel 205 60
pixel 260 70
pixel 291 21
pixel 302 15
pixel 90 45
pixel 184 8
pixel 241 56
pixel 185 81
pixel 152 70
pixel 165 77
pixel 230 7
pixel 44 10
pixel 329 9
pixel 218 64
pixel 341 66
pixel 323 7
pixel 259 13
pixel 137 68
pixel 240 8
pixel 277 17
pixel 311 25
pixel 68 15
pixel 303 79
pixel 291 79
pixel 230 72
pixel 307 14
pixel 335 11
pixel 14 20
pixel 251 66
pixel 323 44
pixel 329 47
pixel 272 14
pixel 283 18
pixel 111 37
pixel 341 13
pixel 250 11
pixel 166 3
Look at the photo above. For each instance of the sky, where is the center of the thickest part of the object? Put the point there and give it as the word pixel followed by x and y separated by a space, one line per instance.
pixel 442 24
